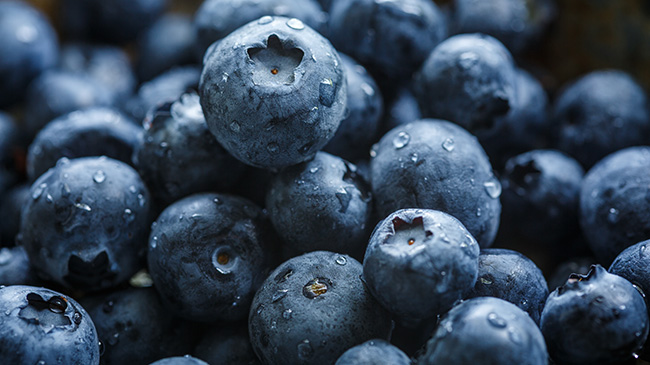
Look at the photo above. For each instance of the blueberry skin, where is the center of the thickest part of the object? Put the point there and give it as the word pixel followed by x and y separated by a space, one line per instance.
pixel 210 243
pixel 42 325
pixel 391 38
pixel 419 262
pixel 312 308
pixel 216 19
pixel 468 79
pixel 600 113
pixel 11 207
pixel 28 45
pixel 596 318
pixel 511 276
pixel 436 164
pixel 541 189
pixel 135 327
pixel 486 331
pixel 15 268
pixel 374 352
pixel 322 204
pixel 86 224
pixel 226 345
pixel 359 129
pixel 614 210
pixel 180 360
pixel 632 264
pixel 97 131
pixel 273 92
pixel 178 155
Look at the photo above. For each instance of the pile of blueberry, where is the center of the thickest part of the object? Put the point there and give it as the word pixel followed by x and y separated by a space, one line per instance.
pixel 315 182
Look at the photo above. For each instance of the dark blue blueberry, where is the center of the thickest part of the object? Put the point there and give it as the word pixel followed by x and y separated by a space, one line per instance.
pixel 615 202
pixel 312 308
pixel 511 276
pixel 11 206
pixel 41 326
pixel 577 265
pixel 322 204
pixel 89 132
pixel 28 46
pixel 596 318
pixel 15 268
pixel 86 224
pixel 135 327
pixel 359 129
pixel 633 264
pixel 402 109
pixel 180 360
pixel 374 352
pixel 178 155
pixel 226 345
pixel 468 79
pixel 169 42
pixel 216 19
pixel 600 113
pixel 391 38
pixel 487 331
pixel 419 262
pixel 210 243
pixel 436 164
pixel 273 92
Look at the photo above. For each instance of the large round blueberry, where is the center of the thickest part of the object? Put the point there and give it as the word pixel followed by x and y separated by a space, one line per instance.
pixel 615 202
pixel 28 46
pixel 419 262
pixel 41 326
pixel 273 92
pixel 438 165
pixel 634 265
pixel 86 223
pixel 178 155
pixel 312 308
pixel 596 318
pixel 468 79
pixel 208 254
pixel 486 331
pixel 322 204
pixel 374 352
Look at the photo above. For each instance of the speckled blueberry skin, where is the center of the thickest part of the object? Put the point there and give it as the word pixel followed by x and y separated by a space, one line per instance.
pixel 210 243
pixel 468 79
pixel 226 345
pixel 11 206
pixel 600 113
pixel 178 155
pixel 374 352
pixel 633 264
pixel 511 276
pixel 614 210
pixel 86 223
pixel 488 331
pixel 392 38
pixel 596 318
pixel 28 45
pixel 90 132
pixel 322 204
pixel 216 19
pixel 42 326
pixel 15 268
pixel 273 92
pixel 180 360
pixel 419 262
pixel 312 308
pixel 436 164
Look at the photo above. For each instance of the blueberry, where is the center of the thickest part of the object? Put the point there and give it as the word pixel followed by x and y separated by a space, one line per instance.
pixel 513 277
pixel 86 222
pixel 180 360
pixel 577 265
pixel 178 155
pixel 391 38
pixel 615 202
pixel 468 79
pixel 42 326
pixel 312 308
pixel 419 262
pixel 226 345
pixel 210 243
pixel 374 352
pixel 90 132
pixel 486 331
pixel 600 113
pixel 273 92
pixel 632 264
pixel 15 268
pixel 322 204
pixel 28 46
pixel 595 318
pixel 11 206
pixel 436 164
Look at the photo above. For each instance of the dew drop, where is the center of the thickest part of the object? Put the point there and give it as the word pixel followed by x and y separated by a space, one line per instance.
pixel 132 189
pixel 612 215
pixel 478 212
pixel 496 320
pixel 493 187
pixel 141 200
pixel 401 140
pixel 313 169
pixel 83 206
pixel 448 145
pixel 281 293
pixel 341 260
pixel 414 157
pixel 99 177
pixel 265 20
pixel 296 24
pixel 38 191
pixel 373 150
pixel 287 314
pixel 128 215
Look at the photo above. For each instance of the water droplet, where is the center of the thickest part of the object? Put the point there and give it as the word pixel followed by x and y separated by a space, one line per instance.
pixel 635 355
pixel 493 187
pixel 76 317
pixel 132 189
pixel 128 215
pixel 524 302
pixel 496 320
pixel 272 147
pixel 414 157
pixel 265 20
pixel 341 260
pixel 373 150
pixel 367 89
pixel 49 199
pixel 281 293
pixel 449 144
pixel 327 92
pixel 304 350
pixel 401 140
pixel 514 335
pixel 99 177
pixel 478 212
pixel 287 314
pixel 612 216
pixel 296 24
pixel 485 281
pixel 141 200
pixel 313 169
pixel 83 206
pixel 234 126
pixel 154 242
pixel 41 362
pixel 38 191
